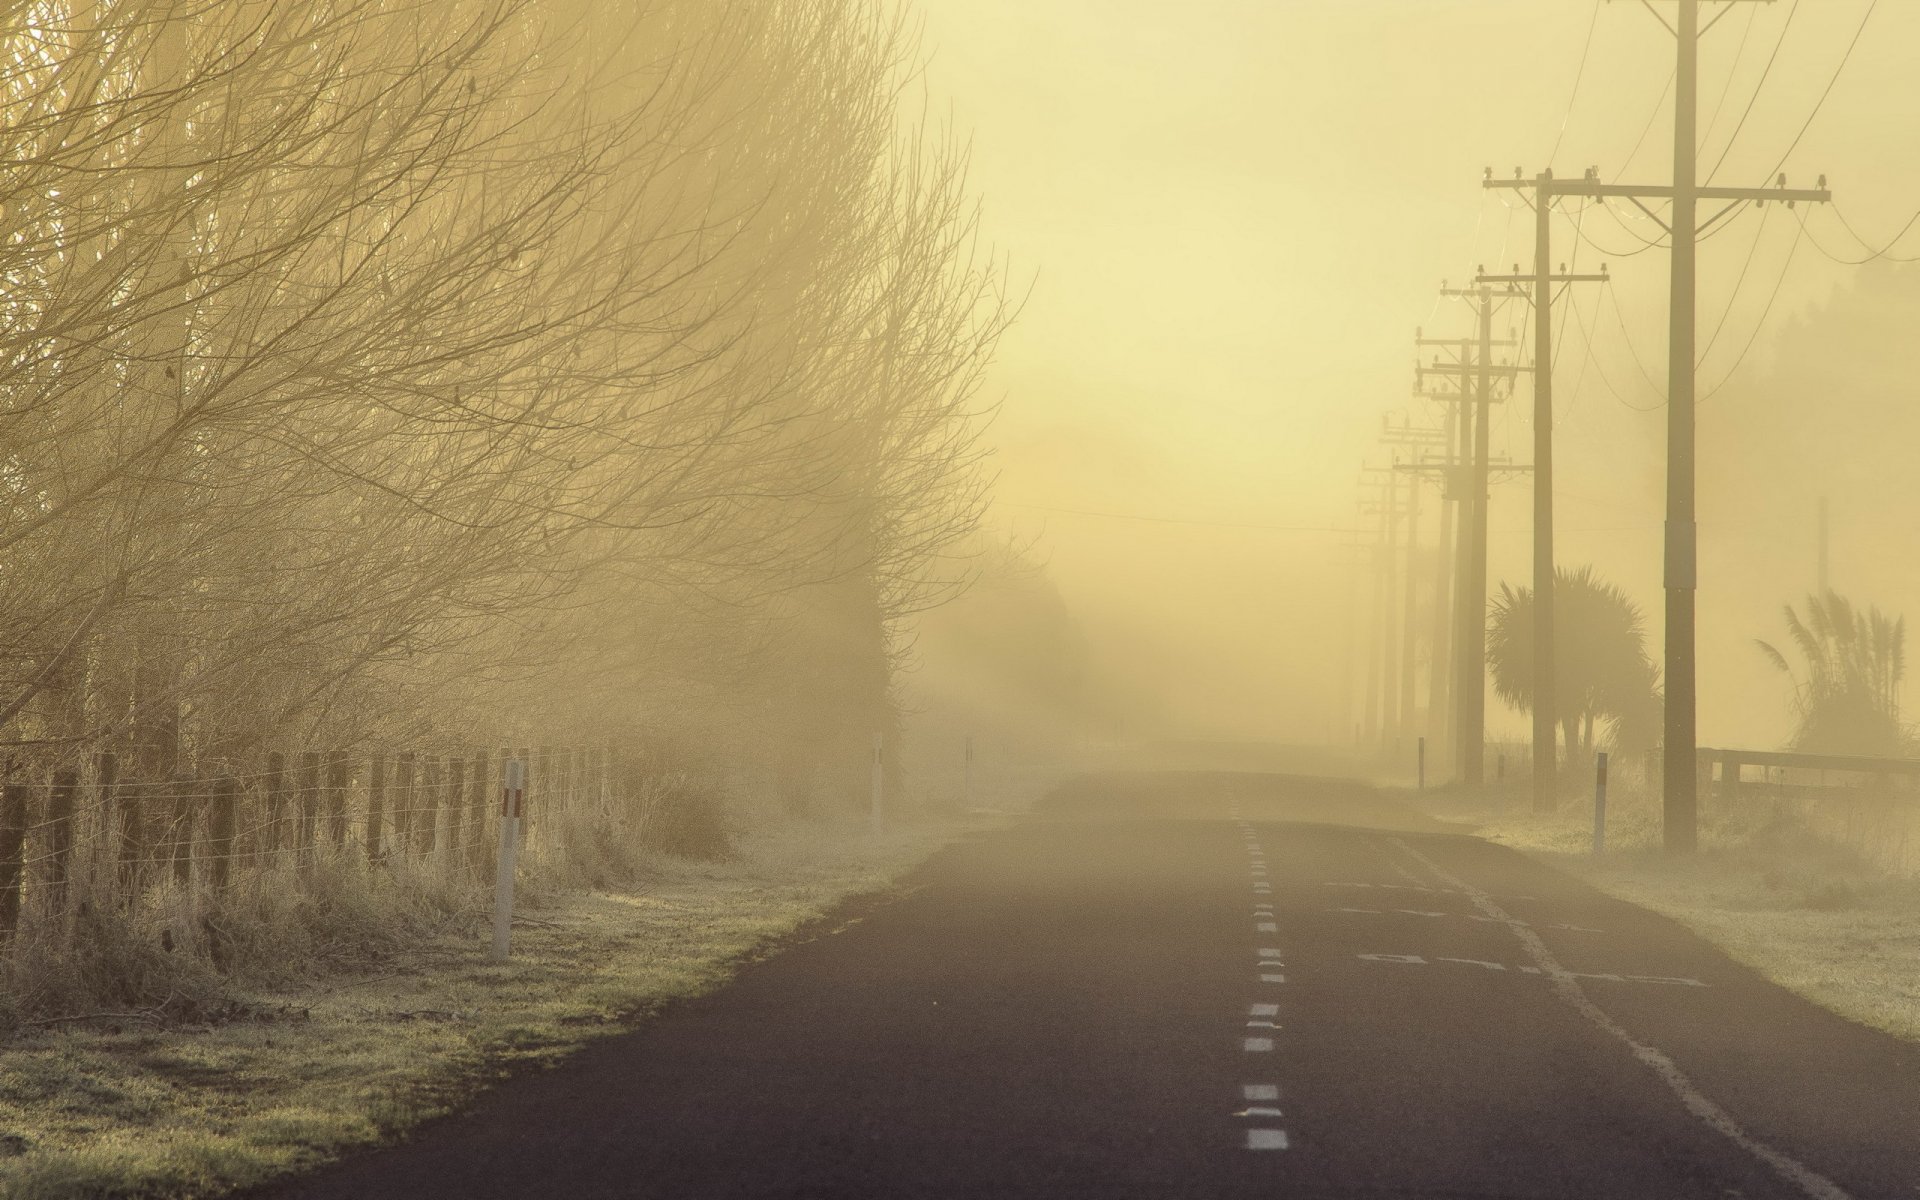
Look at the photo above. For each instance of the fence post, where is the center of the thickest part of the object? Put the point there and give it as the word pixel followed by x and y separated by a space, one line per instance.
pixel 527 783
pixel 478 800
pixel 1600 804
pixel 339 778
pixel 1729 776
pixel 13 841
pixel 966 793
pixel 1423 763
pixel 180 833
pixel 307 802
pixel 220 828
pixel 879 780
pixel 456 808
pixel 376 803
pixel 60 805
pixel 131 801
pixel 106 774
pixel 513 801
pixel 429 827
pixel 276 801
pixel 403 801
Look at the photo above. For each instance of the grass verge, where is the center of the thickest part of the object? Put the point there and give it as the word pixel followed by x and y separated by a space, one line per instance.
pixel 1812 915
pixel 112 1106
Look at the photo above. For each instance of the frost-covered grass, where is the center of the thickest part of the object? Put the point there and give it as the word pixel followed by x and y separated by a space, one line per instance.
pixel 1774 885
pixel 290 1076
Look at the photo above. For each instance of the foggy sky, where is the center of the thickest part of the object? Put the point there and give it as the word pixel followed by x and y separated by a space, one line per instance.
pixel 1236 212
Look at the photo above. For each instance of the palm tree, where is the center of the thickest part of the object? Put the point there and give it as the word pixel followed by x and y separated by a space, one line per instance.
pixel 1601 666
pixel 1848 699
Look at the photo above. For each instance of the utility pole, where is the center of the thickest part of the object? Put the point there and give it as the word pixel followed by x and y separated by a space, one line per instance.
pixel 1545 702
pixel 1680 784
pixel 1370 727
pixel 1471 663
pixel 1410 436
pixel 1454 568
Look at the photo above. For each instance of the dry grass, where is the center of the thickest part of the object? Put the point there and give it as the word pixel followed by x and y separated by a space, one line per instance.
pixel 1778 891
pixel 287 1076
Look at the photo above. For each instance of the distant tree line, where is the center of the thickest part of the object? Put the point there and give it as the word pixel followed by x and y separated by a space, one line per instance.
pixel 383 371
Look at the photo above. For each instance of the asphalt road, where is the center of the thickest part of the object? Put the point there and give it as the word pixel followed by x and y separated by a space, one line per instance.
pixel 1208 986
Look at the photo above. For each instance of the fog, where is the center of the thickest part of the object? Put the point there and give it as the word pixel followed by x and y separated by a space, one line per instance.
pixel 1235 215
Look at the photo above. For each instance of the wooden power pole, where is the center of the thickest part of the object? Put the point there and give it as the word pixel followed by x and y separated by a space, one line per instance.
pixel 1545 705
pixel 1680 799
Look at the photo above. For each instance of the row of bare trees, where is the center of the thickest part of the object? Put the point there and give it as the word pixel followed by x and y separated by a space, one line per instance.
pixel 381 370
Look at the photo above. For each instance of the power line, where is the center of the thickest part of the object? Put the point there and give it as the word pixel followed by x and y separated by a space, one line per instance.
pixel 1762 323
pixel 1155 519
pixel 1821 102
pixel 1734 296
pixel 1758 84
pixel 1579 73
pixel 1872 254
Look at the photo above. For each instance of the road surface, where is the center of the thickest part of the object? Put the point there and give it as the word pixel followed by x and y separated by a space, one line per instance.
pixel 1208 986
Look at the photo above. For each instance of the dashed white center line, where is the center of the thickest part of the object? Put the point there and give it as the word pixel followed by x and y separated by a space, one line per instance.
pixel 1263 1010
pixel 1266 927
pixel 1260 1091
pixel 1266 1139
pixel 1257 1045
pixel 1273 979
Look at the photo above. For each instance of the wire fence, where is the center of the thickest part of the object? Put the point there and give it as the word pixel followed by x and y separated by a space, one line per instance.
pixel 73 836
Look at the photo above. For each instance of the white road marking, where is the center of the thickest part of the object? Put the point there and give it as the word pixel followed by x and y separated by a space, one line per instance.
pixel 1415 960
pixel 1269 952
pixel 1266 927
pixel 1263 1025
pixel 1273 979
pixel 1260 1091
pixel 1266 1139
pixel 1260 1110
pixel 1567 985
pixel 1481 917
pixel 1263 1010
pixel 1257 1045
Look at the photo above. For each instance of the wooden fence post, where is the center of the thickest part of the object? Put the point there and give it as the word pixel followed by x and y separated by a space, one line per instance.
pixel 106 777
pixel 183 793
pixel 338 780
pixel 60 805
pixel 376 803
pixel 477 805
pixel 529 772
pixel 276 781
pixel 132 799
pixel 13 841
pixel 456 808
pixel 403 802
pixel 432 780
pixel 307 807
pixel 221 822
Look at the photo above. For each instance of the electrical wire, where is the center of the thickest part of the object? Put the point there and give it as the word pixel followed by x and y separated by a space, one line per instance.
pixel 1827 91
pixel 1758 85
pixel 1761 323
pixel 1579 73
pixel 1154 519
pixel 1872 254
pixel 1752 250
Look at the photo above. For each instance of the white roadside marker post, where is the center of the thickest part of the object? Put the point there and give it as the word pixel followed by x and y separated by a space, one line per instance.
pixel 967 795
pixel 1600 804
pixel 879 750
pixel 513 803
